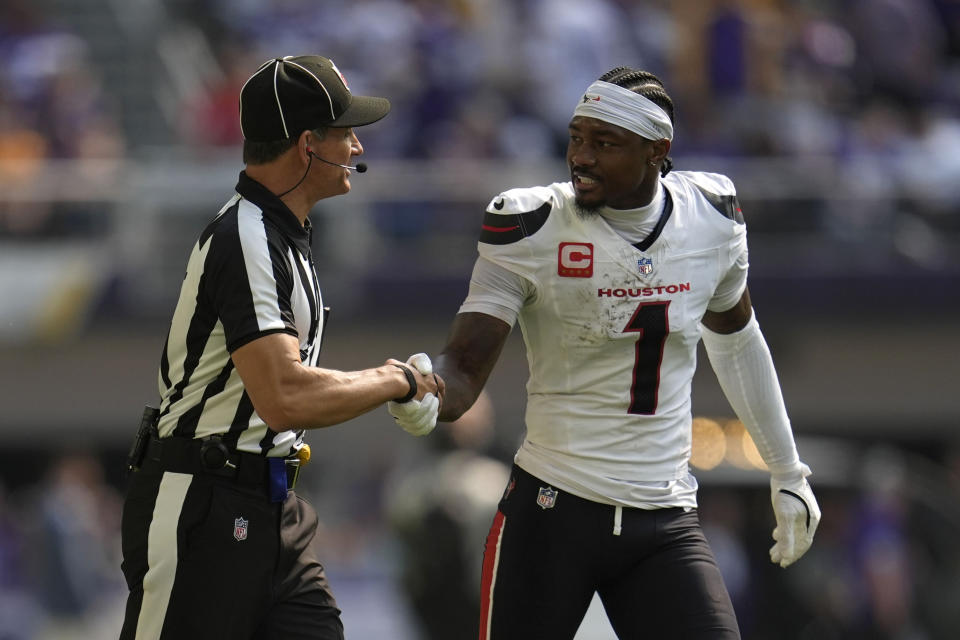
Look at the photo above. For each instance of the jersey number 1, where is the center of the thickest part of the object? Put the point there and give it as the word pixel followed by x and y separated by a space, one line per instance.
pixel 650 321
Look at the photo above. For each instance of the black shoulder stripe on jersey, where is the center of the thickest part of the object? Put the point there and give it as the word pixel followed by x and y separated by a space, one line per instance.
pixel 727 205
pixel 644 244
pixel 210 228
pixel 507 229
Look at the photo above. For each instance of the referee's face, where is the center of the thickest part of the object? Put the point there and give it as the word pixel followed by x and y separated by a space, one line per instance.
pixel 339 145
pixel 609 166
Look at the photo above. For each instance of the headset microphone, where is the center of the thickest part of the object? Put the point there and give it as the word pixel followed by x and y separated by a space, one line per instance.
pixel 360 167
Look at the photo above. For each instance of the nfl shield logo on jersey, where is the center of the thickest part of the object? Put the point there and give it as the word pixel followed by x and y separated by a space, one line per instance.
pixel 645 266
pixel 239 529
pixel 547 497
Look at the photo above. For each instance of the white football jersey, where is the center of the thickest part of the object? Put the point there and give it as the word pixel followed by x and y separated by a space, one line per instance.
pixel 611 330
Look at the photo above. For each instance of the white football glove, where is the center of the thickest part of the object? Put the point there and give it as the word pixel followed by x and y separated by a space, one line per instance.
pixel 417 417
pixel 421 362
pixel 797 513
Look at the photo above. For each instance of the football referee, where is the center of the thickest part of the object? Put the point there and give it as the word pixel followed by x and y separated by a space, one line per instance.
pixel 216 544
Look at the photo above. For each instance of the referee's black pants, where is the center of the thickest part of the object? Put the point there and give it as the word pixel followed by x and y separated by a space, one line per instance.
pixel 653 570
pixel 207 558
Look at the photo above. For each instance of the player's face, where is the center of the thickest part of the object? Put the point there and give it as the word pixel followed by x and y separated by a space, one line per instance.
pixel 609 165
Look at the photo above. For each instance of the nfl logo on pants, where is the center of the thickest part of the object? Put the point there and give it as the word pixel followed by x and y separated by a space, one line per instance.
pixel 547 497
pixel 239 529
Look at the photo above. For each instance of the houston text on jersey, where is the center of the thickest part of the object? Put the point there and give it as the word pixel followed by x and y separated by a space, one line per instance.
pixel 643 291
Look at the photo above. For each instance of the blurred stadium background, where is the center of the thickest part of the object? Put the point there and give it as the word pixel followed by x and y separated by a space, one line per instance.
pixel 839 120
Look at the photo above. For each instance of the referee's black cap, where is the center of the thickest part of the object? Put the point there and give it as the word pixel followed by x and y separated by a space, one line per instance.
pixel 291 94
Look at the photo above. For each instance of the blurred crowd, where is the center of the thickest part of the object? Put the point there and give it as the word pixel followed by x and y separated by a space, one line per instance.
pixel 53 107
pixel 882 567
pixel 59 551
pixel 53 104
pixel 868 90
pixel 498 78
pixel 867 87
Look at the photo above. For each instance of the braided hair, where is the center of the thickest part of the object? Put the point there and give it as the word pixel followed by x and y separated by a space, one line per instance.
pixel 647 85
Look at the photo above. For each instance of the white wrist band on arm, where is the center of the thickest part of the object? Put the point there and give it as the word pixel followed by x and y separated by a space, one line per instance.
pixel 744 368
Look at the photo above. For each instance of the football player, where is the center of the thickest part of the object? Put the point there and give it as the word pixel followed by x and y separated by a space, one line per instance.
pixel 614 277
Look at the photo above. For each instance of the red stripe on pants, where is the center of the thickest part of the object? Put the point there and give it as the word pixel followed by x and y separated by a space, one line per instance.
pixel 491 557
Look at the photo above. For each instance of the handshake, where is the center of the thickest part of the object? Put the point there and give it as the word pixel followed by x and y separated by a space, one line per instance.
pixel 418 416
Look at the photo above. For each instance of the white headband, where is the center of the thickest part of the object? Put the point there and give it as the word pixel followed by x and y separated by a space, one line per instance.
pixel 624 108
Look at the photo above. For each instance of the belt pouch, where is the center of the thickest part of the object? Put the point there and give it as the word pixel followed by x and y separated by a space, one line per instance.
pixel 277 479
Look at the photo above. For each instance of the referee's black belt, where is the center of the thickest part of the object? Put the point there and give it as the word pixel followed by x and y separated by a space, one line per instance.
pixel 210 456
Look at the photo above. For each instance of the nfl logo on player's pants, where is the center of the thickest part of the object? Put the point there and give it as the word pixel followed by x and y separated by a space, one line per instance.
pixel 547 497
pixel 239 529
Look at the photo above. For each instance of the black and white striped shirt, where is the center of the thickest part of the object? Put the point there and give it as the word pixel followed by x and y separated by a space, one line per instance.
pixel 250 274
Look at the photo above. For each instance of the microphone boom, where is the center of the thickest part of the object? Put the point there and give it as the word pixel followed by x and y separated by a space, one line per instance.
pixel 360 167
